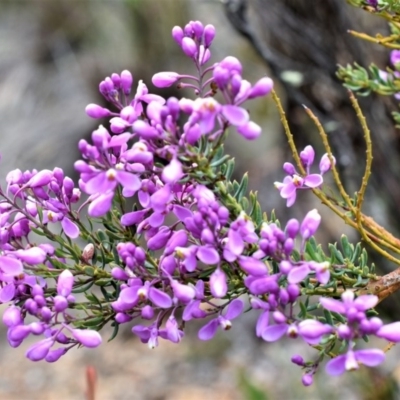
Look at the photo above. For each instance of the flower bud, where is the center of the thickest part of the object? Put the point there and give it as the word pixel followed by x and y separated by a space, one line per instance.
pixel 96 111
pixel 88 252
pixel 307 379
pixel 209 35
pixel 65 283
pixel 12 316
pixel 310 224
pixel 87 337
pixel 325 164
pixel 261 88
pixel 126 82
pixel 298 360
pixel 177 34
pixel 189 47
pixel 39 350
pixel 55 355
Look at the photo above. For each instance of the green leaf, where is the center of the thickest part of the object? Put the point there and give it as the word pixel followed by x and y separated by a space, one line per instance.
pixel 335 254
pixel 83 288
pixel 115 331
pixel 328 317
pixel 241 190
pixel 348 248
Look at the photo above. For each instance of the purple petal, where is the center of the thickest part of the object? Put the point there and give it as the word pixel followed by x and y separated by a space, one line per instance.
pixel 336 366
pixel 370 357
pixel 128 180
pixel 160 298
pixel 250 130
pixel 274 332
pixel 70 228
pixel 208 255
pixel 156 219
pixel 87 337
pixel 129 295
pixel 182 212
pixel 10 266
pixel 7 293
pixel 262 323
pixel 288 190
pixel 101 204
pixel 313 180
pixel 390 332
pixel 234 309
pixel 143 332
pixel 160 198
pixel 172 172
pixel 42 178
pixel 164 79
pixel 32 256
pixel 332 305
pixel 253 266
pixel 133 217
pixel 218 283
pixel 297 274
pixel 365 302
pixel 312 329
pixel 290 200
pixel 99 184
pixel 65 283
pixel 235 243
pixel 209 330
pixel 323 277
pixel 235 115
pixel 39 350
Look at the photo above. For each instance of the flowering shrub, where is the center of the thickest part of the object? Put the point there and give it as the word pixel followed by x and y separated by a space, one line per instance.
pixel 170 237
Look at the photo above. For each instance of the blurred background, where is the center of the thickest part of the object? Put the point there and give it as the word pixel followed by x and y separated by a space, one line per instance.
pixel 53 54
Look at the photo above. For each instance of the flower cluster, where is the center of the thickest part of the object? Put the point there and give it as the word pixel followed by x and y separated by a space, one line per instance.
pixel 175 239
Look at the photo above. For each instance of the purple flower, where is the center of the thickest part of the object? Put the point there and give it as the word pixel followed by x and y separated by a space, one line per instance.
pixel 209 330
pixel 294 181
pixel 108 180
pixel 349 361
pixel 353 308
pixel 290 184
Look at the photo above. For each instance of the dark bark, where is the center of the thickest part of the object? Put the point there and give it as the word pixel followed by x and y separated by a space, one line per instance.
pixel 311 38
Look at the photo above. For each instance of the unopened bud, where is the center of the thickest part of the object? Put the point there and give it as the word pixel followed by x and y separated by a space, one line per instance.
pixel 88 252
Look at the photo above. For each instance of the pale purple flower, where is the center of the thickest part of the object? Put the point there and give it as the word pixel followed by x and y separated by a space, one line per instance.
pixel 352 308
pixel 105 181
pixel 290 184
pixel 172 331
pixel 325 164
pixel 209 330
pixel 350 361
